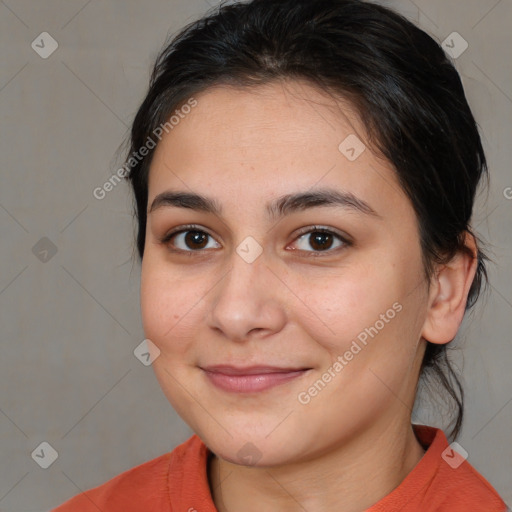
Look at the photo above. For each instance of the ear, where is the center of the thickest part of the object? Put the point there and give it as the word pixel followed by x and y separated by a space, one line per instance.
pixel 448 295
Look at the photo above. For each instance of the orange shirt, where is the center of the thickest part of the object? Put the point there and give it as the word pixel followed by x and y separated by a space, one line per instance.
pixel 178 482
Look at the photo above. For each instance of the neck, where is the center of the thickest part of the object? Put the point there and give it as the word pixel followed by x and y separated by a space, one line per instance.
pixel 349 478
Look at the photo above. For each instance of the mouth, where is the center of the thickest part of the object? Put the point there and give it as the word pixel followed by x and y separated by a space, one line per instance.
pixel 251 379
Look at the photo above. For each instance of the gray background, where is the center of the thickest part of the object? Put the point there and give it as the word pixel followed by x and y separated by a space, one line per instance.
pixel 69 325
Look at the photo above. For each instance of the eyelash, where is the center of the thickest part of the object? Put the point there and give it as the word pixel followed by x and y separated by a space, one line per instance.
pixel 313 229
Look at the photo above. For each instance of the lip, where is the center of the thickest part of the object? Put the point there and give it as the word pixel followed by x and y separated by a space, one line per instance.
pixel 251 379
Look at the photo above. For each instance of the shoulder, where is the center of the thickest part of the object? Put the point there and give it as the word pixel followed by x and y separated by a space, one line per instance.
pixel 465 486
pixel 442 481
pixel 144 487
pixel 456 482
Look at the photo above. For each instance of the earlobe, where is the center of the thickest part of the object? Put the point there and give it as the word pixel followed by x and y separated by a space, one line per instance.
pixel 448 295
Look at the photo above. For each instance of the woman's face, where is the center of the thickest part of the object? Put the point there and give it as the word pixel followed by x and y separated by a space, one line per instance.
pixel 279 342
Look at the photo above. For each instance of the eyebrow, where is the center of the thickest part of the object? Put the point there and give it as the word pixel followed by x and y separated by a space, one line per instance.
pixel 276 209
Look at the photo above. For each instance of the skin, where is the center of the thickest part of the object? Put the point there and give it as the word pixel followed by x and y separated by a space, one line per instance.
pixel 353 443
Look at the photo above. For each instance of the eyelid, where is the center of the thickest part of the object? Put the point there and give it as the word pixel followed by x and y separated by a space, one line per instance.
pixel 180 229
pixel 346 241
pixel 345 238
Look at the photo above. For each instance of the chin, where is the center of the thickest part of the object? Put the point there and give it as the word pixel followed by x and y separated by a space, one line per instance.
pixel 254 449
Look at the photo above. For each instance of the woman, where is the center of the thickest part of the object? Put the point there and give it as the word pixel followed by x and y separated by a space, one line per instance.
pixel 304 175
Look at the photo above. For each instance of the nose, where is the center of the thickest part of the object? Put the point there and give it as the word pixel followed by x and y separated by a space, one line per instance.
pixel 248 302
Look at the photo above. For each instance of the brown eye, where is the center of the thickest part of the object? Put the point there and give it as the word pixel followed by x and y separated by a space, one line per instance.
pixel 321 240
pixel 188 240
pixel 195 239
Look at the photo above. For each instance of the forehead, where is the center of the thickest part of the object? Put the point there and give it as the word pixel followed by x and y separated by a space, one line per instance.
pixel 269 138
pixel 270 115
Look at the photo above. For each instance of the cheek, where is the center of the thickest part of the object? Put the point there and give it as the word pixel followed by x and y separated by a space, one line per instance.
pixel 370 317
pixel 344 308
pixel 171 305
